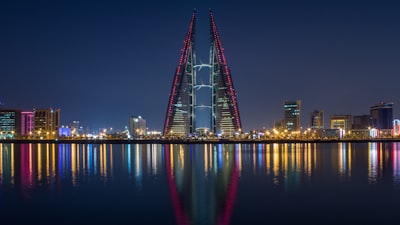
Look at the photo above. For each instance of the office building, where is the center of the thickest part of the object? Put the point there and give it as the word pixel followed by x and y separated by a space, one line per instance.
pixel 10 123
pixel 27 123
pixel 343 122
pixel 292 115
pixel 47 122
pixel 382 116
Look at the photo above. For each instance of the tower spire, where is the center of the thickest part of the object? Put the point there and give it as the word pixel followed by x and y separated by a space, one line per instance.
pixel 225 112
pixel 180 112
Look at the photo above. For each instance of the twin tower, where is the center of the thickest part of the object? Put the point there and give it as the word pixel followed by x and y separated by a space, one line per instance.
pixel 182 110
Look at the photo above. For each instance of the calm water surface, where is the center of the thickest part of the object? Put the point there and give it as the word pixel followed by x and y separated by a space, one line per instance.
pixel 335 183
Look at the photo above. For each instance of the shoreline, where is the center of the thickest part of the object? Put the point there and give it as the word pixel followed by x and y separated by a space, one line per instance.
pixel 179 141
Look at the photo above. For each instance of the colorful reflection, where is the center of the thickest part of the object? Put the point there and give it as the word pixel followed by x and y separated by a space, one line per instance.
pixel 7 168
pixel 344 159
pixel 285 164
pixel 35 165
pixel 140 160
pixel 203 182
pixel 395 155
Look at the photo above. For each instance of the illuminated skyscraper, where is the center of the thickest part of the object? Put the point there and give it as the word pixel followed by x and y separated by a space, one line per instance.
pixel 27 123
pixel 181 112
pixel 382 115
pixel 47 122
pixel 292 115
pixel 10 123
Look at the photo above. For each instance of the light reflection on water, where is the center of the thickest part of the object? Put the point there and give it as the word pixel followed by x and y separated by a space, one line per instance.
pixel 44 163
pixel 204 183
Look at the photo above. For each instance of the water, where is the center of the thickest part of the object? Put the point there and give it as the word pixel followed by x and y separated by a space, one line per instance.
pixel 332 183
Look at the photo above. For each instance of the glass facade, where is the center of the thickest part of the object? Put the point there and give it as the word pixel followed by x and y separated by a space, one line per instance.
pixel 292 115
pixel 382 116
pixel 10 123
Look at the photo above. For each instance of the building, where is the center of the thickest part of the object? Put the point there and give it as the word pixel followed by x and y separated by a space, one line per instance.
pixel 27 123
pixel 341 122
pixel 292 115
pixel 10 123
pixel 137 126
pixel 182 114
pixel 317 119
pixel 382 116
pixel 47 122
pixel 361 122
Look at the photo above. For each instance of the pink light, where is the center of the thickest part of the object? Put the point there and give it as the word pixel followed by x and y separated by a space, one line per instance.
pixel 179 213
pixel 182 61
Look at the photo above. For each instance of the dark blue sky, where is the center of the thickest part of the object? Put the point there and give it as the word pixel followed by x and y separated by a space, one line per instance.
pixel 102 61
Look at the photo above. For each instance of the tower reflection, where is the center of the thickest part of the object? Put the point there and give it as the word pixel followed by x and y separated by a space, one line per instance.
pixel 203 182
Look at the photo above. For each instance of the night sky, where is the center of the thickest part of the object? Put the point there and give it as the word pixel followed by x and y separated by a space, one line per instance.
pixel 101 62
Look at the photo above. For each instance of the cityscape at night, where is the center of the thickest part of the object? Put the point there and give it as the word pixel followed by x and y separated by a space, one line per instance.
pixel 199 112
pixel 95 59
pixel 205 106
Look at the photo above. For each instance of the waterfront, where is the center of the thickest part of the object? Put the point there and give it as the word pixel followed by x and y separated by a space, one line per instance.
pixel 254 183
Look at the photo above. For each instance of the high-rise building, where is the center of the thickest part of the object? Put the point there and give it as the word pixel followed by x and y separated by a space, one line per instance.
pixel 137 126
pixel 317 119
pixel 47 122
pixel 340 122
pixel 382 116
pixel 361 122
pixel 27 123
pixel 292 115
pixel 10 123
pixel 181 117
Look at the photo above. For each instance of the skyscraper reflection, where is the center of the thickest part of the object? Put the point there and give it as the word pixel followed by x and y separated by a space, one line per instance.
pixel 374 158
pixel 203 182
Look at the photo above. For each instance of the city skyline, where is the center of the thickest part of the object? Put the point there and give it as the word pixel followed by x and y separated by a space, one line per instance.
pixel 102 63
